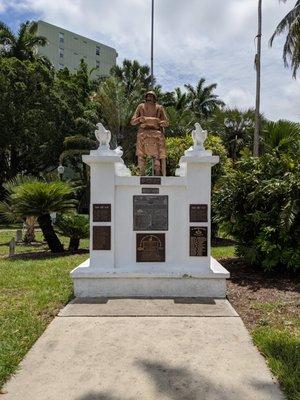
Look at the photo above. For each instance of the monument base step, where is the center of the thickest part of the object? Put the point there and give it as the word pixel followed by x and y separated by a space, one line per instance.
pixel 94 282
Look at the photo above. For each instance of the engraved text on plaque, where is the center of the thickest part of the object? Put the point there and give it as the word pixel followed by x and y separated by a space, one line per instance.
pixel 101 238
pixel 150 180
pixel 101 212
pixel 198 212
pixel 147 190
pixel 150 247
pixel 150 213
pixel 198 241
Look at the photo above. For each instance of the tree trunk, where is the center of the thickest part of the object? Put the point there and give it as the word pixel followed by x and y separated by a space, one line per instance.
pixel 258 77
pixel 30 233
pixel 49 234
pixel 74 244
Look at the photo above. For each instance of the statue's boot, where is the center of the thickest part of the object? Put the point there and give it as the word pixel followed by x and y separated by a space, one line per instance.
pixel 142 165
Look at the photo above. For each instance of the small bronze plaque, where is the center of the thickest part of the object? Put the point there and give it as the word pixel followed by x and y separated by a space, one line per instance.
pixel 101 212
pixel 198 212
pixel 150 180
pixel 101 238
pixel 198 241
pixel 150 213
pixel 150 247
pixel 150 190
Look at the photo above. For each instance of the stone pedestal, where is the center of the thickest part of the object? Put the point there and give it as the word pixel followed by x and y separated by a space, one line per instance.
pixel 150 236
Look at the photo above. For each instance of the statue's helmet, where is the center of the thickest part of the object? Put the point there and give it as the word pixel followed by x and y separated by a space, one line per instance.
pixel 152 94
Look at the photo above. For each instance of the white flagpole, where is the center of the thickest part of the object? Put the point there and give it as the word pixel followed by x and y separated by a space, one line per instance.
pixel 152 35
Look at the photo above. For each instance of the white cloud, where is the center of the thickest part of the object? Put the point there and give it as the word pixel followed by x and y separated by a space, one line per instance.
pixel 238 96
pixel 210 38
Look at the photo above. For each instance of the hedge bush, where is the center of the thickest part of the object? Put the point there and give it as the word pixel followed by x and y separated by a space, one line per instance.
pixel 176 147
pixel 259 205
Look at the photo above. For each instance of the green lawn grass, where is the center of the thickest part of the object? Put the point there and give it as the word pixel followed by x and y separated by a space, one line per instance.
pixel 282 351
pixel 31 293
pixel 223 252
pixel 32 290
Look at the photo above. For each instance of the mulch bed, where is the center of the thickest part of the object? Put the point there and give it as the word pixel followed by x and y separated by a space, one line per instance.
pixel 249 290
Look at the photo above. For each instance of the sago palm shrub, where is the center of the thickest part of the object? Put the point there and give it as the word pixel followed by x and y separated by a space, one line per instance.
pixel 75 227
pixel 39 199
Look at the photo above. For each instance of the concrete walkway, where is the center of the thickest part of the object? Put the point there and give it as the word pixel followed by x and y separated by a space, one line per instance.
pixel 144 350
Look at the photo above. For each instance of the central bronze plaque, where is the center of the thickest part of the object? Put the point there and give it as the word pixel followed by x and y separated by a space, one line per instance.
pixel 101 238
pixel 150 247
pixel 150 213
pixel 198 241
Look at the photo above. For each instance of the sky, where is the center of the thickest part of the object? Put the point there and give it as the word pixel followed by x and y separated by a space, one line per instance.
pixel 214 39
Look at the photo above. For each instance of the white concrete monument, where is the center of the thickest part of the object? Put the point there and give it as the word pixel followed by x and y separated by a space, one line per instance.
pixel 150 236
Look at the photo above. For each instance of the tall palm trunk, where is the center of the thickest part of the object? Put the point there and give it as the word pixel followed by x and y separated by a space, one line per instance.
pixel 50 236
pixel 258 78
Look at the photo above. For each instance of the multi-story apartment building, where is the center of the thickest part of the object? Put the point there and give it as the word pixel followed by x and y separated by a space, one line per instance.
pixel 66 49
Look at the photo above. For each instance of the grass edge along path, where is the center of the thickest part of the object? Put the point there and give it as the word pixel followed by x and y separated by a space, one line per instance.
pixel 31 293
pixel 281 349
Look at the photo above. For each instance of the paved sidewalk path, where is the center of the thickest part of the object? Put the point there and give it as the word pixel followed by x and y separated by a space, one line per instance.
pixel 144 350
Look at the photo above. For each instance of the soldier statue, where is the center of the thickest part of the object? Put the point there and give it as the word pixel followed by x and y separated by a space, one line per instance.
pixel 152 120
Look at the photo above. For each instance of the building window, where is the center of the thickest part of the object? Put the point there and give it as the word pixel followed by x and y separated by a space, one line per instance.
pixel 61 53
pixel 61 66
pixel 97 63
pixel 61 37
pixel 97 51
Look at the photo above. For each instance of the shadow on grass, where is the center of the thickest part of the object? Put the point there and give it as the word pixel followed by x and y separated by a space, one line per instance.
pixel 45 255
pixel 217 241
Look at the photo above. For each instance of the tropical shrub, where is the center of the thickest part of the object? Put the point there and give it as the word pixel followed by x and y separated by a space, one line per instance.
pixel 283 136
pixel 75 227
pixel 176 147
pixel 235 127
pixel 259 205
pixel 38 199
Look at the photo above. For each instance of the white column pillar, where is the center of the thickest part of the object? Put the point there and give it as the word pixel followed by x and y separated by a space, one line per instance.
pixel 102 172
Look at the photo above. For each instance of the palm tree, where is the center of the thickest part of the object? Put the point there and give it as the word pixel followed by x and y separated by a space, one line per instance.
pixel 291 50
pixel 133 75
pixel 117 106
pixel 24 45
pixel 235 127
pixel 180 121
pixel 180 100
pixel 39 199
pixel 282 136
pixel 202 101
pixel 258 83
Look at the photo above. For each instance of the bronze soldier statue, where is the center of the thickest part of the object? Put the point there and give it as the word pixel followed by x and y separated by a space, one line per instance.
pixel 152 120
